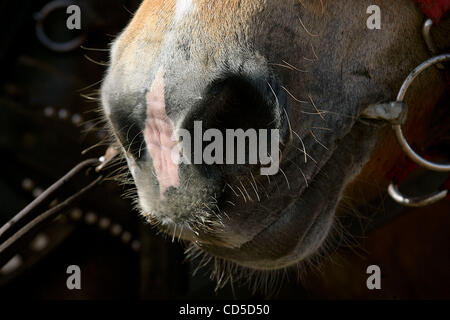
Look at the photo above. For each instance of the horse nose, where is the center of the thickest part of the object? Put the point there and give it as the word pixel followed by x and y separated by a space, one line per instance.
pixel 240 123
pixel 148 130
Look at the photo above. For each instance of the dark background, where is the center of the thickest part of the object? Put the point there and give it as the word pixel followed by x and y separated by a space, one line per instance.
pixel 47 120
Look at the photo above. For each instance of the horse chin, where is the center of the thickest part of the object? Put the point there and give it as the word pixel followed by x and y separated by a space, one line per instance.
pixel 276 247
pixel 290 239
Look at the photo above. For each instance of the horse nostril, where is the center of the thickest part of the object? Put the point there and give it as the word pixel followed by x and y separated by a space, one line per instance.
pixel 129 128
pixel 235 102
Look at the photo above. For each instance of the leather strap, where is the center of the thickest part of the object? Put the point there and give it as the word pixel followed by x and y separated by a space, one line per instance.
pixel 434 9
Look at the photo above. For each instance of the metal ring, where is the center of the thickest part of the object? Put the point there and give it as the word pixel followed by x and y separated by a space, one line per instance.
pixel 417 201
pixel 426 33
pixel 398 129
pixel 42 36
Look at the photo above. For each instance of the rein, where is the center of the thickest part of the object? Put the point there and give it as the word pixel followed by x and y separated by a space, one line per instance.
pixel 17 228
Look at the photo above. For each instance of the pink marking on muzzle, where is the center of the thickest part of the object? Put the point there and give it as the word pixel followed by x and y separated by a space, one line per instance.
pixel 158 135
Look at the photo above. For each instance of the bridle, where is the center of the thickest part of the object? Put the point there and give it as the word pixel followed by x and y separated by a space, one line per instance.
pixel 392 189
pixel 396 112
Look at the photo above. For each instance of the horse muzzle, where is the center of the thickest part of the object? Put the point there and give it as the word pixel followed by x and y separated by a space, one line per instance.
pixel 183 142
